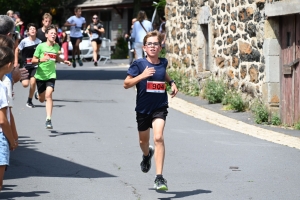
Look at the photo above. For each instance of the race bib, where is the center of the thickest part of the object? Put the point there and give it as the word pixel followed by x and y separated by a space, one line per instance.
pixel 52 56
pixel 95 36
pixel 156 86
pixel 29 61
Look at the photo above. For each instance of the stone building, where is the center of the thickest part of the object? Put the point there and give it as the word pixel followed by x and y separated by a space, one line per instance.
pixel 241 41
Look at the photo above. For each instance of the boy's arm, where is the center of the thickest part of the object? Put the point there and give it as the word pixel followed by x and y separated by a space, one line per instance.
pixel 172 84
pixel 16 57
pixel 13 127
pixel 132 81
pixel 59 59
pixel 7 129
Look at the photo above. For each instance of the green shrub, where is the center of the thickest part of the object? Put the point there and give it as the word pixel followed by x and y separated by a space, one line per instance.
pixel 297 126
pixel 214 90
pixel 186 85
pixel 260 111
pixel 162 53
pixel 227 97
pixel 237 103
pixel 121 50
pixel 275 120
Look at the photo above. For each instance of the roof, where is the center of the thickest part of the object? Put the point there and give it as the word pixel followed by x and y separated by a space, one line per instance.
pixel 102 3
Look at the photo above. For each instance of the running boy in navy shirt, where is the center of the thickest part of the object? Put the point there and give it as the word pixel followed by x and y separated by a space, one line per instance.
pixel 149 75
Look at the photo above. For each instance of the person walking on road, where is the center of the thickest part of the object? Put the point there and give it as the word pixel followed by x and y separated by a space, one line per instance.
pixel 76 23
pixel 45 55
pixel 7 139
pixel 95 29
pixel 27 47
pixel 149 76
pixel 47 21
pixel 140 28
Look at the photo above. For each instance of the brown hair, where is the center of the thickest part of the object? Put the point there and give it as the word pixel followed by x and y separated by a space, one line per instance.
pixel 6 56
pixel 47 16
pixel 6 41
pixel 50 27
pixel 76 9
pixel 141 16
pixel 153 34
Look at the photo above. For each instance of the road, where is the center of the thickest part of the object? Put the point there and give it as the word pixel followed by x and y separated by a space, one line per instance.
pixel 93 151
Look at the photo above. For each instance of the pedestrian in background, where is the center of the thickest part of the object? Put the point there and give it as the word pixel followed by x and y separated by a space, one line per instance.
pixel 95 31
pixel 76 23
pixel 140 28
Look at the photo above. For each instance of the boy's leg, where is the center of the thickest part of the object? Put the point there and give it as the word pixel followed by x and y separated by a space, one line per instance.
pixel 49 101
pixel 159 155
pixel 2 170
pixel 32 87
pixel 25 83
pixel 144 137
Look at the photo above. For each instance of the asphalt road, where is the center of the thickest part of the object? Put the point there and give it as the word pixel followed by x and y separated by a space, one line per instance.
pixel 93 151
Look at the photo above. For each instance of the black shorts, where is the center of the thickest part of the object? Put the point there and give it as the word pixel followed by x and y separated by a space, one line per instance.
pixel 31 73
pixel 74 40
pixel 144 121
pixel 98 40
pixel 42 85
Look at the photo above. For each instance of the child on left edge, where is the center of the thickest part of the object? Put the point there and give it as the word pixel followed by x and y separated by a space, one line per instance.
pixel 7 140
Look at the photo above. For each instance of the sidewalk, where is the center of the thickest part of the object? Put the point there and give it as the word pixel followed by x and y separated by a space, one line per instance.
pixel 245 117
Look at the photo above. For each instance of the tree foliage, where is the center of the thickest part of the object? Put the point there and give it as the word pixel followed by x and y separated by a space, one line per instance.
pixel 32 10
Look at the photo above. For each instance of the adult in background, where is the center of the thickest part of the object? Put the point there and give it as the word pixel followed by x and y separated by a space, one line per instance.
pixel 95 29
pixel 140 28
pixel 7 27
pixel 47 21
pixel 76 23
pixel 163 21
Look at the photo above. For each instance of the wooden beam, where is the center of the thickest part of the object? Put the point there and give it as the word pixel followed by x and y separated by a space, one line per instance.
pixel 282 8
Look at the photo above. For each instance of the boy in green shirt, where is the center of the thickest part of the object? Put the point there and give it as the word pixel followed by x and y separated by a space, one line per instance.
pixel 45 55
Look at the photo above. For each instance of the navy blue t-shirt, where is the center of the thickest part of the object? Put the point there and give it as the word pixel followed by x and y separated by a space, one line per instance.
pixel 147 102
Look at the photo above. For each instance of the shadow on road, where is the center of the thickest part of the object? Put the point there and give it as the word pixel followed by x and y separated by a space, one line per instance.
pixel 13 195
pixel 91 74
pixel 68 133
pixel 27 161
pixel 183 194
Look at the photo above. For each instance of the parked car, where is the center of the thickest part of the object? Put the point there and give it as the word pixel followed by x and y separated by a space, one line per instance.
pixel 85 47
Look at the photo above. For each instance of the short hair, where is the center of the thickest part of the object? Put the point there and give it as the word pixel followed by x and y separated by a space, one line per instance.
pixel 6 56
pixel 153 34
pixel 50 28
pixel 76 9
pixel 6 41
pixel 47 16
pixel 31 24
pixel 7 25
pixel 9 12
pixel 141 16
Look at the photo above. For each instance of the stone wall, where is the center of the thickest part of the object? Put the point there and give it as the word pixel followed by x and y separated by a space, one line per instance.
pixel 235 41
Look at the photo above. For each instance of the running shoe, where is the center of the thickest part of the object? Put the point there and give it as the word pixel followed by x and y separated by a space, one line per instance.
pixel 95 64
pixel 49 124
pixel 36 95
pixel 146 163
pixel 74 63
pixel 160 184
pixel 30 105
pixel 79 62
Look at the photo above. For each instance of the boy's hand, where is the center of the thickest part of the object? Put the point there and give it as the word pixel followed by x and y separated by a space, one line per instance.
pixel 67 62
pixel 149 71
pixel 45 58
pixel 174 90
pixel 13 145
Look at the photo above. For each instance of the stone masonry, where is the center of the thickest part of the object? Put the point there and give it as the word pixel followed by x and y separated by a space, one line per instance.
pixel 234 42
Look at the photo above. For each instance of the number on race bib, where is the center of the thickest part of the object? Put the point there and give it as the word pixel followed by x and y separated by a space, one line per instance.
pixel 156 86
